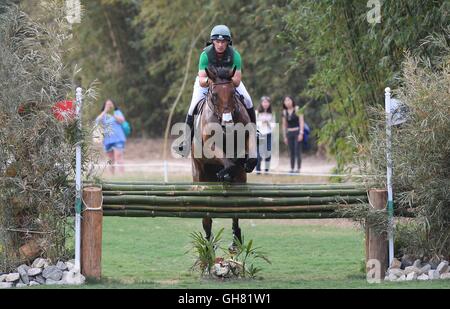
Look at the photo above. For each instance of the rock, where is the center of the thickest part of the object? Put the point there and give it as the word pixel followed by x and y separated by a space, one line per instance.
pixel 445 276
pixel 32 283
pixel 40 279
pixel 412 269
pixel 417 263
pixel 433 274
pixel 70 265
pixel 51 282
pixel 425 269
pixel 6 285
pixel 390 277
pixel 34 271
pixel 21 285
pixel 40 263
pixel 3 277
pixel 396 272
pixel 395 264
pixel 434 262
pixel 77 279
pixel 423 277
pixel 411 276
pixel 401 278
pixel 407 260
pixel 442 267
pixel 24 267
pixel 53 273
pixel 61 265
pixel 23 272
pixel 72 277
pixel 12 277
pixel 221 270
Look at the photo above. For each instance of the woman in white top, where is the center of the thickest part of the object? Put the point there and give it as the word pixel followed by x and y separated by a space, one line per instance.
pixel 265 122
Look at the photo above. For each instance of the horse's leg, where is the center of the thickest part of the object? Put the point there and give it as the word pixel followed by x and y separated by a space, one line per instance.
pixel 236 231
pixel 207 226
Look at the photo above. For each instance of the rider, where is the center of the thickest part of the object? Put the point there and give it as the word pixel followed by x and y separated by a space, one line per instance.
pixel 220 54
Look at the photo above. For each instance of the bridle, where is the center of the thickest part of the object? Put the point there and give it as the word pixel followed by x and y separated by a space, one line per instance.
pixel 214 107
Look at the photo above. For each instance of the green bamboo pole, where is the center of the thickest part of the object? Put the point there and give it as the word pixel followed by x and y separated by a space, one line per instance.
pixel 311 208
pixel 111 187
pixel 248 193
pixel 296 215
pixel 229 201
pixel 140 183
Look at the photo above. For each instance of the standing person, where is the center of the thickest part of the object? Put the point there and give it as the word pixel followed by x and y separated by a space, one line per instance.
pixel 114 138
pixel 293 130
pixel 265 122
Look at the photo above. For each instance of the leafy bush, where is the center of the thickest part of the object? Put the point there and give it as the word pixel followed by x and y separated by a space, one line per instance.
pixel 238 263
pixel 36 150
pixel 420 150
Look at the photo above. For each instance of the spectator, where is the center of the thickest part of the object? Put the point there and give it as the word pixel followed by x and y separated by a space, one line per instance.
pixel 114 138
pixel 265 122
pixel 293 130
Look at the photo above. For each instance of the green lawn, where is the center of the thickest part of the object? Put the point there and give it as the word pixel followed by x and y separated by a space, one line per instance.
pixel 150 253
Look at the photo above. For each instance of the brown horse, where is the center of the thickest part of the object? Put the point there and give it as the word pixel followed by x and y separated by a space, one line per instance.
pixel 221 109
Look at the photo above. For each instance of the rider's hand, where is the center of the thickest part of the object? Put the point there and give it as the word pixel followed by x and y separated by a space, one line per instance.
pixel 300 137
pixel 285 140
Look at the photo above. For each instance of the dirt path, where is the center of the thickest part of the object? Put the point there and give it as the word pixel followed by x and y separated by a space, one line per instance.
pixel 145 155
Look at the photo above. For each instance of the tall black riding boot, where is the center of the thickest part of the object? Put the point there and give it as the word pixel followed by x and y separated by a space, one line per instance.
pixel 184 147
pixel 250 163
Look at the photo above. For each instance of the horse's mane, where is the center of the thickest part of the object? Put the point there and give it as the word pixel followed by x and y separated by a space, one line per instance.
pixel 223 73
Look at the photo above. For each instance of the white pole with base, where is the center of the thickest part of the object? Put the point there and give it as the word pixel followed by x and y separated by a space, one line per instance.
pixel 78 183
pixel 390 200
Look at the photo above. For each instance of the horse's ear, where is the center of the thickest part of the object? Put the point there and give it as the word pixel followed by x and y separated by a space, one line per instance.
pixel 233 72
pixel 211 73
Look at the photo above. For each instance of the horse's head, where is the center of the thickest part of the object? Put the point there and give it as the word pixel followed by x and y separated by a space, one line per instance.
pixel 222 92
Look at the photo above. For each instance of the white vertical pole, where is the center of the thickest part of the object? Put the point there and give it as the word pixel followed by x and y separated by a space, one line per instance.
pixel 78 184
pixel 390 205
pixel 166 173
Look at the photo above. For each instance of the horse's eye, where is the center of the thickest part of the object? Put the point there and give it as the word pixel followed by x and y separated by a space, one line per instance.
pixel 215 95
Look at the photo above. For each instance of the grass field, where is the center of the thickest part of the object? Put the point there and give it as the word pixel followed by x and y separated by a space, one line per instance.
pixel 150 253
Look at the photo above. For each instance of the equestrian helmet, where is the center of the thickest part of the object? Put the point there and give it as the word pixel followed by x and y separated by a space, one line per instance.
pixel 221 32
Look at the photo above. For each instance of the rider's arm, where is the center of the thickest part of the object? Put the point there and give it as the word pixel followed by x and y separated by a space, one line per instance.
pixel 237 78
pixel 238 65
pixel 203 78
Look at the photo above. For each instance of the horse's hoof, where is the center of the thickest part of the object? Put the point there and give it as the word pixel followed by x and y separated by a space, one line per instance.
pixel 224 177
pixel 227 178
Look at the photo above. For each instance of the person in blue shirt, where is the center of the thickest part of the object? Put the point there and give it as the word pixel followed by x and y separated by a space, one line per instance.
pixel 114 138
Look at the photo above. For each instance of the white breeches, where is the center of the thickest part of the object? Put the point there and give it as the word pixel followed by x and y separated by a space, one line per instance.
pixel 201 92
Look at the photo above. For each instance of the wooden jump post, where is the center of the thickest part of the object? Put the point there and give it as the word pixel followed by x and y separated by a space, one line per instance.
pixel 376 242
pixel 91 233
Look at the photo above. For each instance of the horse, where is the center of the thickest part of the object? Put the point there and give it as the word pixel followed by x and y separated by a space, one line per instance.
pixel 222 107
